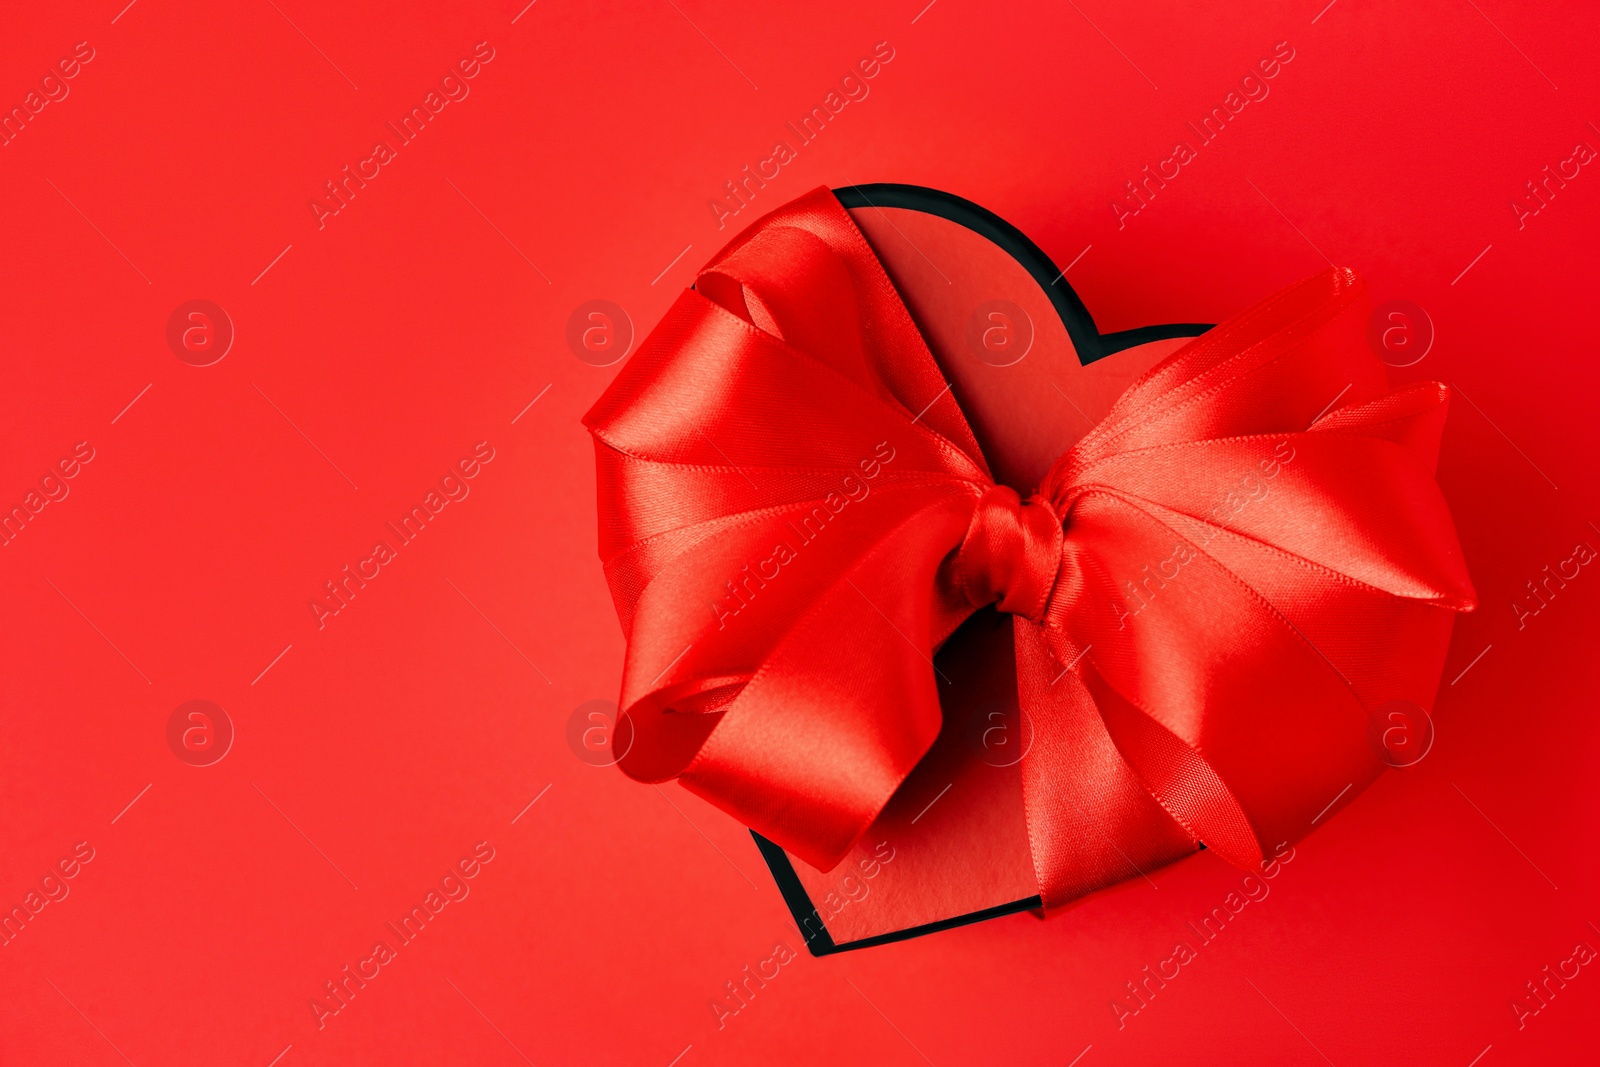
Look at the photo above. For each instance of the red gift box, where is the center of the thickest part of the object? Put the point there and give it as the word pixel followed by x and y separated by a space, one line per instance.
pixel 1221 718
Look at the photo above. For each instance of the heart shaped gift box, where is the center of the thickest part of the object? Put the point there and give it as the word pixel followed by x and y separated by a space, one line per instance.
pixel 907 776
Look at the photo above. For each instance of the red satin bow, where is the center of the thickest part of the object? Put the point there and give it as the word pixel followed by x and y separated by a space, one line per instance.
pixel 1210 592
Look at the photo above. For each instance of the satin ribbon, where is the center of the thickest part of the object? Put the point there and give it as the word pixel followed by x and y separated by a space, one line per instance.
pixel 1210 592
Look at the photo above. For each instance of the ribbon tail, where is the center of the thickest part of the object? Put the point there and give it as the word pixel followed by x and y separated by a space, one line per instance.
pixel 1091 820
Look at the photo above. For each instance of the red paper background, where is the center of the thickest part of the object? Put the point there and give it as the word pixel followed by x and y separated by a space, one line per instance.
pixel 426 715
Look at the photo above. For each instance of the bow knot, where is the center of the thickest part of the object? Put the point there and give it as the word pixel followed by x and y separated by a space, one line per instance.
pixel 1246 577
pixel 1011 553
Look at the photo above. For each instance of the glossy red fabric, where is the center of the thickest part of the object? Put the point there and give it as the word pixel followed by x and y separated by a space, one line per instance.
pixel 1210 592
